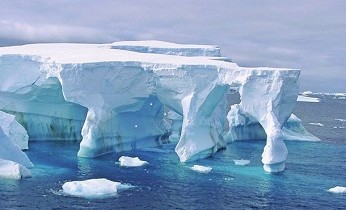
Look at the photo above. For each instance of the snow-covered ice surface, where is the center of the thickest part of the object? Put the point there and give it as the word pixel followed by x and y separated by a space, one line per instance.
pixel 307 99
pixel 337 189
pixel 93 188
pixel 201 169
pixel 131 161
pixel 241 162
pixel 341 120
pixel 112 96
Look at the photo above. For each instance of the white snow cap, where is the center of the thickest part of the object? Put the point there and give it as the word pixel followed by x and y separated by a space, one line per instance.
pixel 201 169
pixel 131 161
pixel 93 188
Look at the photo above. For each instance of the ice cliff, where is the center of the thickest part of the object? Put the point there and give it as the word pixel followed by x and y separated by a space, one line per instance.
pixel 114 97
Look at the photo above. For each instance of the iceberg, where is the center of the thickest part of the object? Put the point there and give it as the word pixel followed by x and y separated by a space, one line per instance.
pixel 317 124
pixel 243 127
pixel 113 97
pixel 337 189
pixel 93 188
pixel 303 98
pixel 201 169
pixel 14 163
pixel 131 162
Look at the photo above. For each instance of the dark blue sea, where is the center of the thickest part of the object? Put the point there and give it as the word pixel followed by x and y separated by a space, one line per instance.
pixel 311 169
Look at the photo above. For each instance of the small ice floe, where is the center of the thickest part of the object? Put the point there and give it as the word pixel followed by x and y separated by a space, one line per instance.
pixel 93 188
pixel 131 161
pixel 241 162
pixel 341 120
pixel 337 189
pixel 201 169
pixel 318 124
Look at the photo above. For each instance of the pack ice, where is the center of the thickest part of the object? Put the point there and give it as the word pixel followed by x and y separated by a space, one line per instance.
pixel 115 97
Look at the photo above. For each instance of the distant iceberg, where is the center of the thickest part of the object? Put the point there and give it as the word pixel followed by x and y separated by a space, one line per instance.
pixel 308 99
pixel 318 124
pixel 131 161
pixel 201 169
pixel 93 188
pixel 337 189
pixel 242 162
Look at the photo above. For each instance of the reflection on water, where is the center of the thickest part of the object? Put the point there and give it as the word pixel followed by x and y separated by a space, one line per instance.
pixel 84 167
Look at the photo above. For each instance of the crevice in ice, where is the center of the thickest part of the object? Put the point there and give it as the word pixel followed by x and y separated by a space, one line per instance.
pixel 18 91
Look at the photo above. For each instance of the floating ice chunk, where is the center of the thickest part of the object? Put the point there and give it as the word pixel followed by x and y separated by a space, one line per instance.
pixel 93 188
pixel 341 120
pixel 307 93
pixel 13 170
pixel 307 99
pixel 318 124
pixel 131 162
pixel 241 162
pixel 337 189
pixel 201 169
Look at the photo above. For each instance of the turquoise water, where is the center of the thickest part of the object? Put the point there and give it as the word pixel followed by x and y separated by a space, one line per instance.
pixel 311 169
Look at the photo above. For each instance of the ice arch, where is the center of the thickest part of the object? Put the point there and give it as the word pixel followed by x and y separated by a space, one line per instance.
pixel 124 86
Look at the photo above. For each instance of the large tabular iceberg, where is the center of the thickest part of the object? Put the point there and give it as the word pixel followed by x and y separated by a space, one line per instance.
pixel 114 96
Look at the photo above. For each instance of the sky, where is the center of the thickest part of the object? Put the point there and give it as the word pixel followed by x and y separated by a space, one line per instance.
pixel 307 35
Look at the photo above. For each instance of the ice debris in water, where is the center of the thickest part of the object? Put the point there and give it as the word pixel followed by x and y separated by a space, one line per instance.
pixel 131 162
pixel 337 189
pixel 201 169
pixel 241 162
pixel 318 124
pixel 93 188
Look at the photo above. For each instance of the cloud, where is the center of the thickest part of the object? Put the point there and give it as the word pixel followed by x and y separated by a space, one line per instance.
pixel 309 35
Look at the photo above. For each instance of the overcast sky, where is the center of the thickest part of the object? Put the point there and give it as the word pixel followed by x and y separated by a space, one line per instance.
pixel 308 35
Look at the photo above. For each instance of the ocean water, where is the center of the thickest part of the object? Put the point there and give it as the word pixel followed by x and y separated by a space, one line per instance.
pixel 311 169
